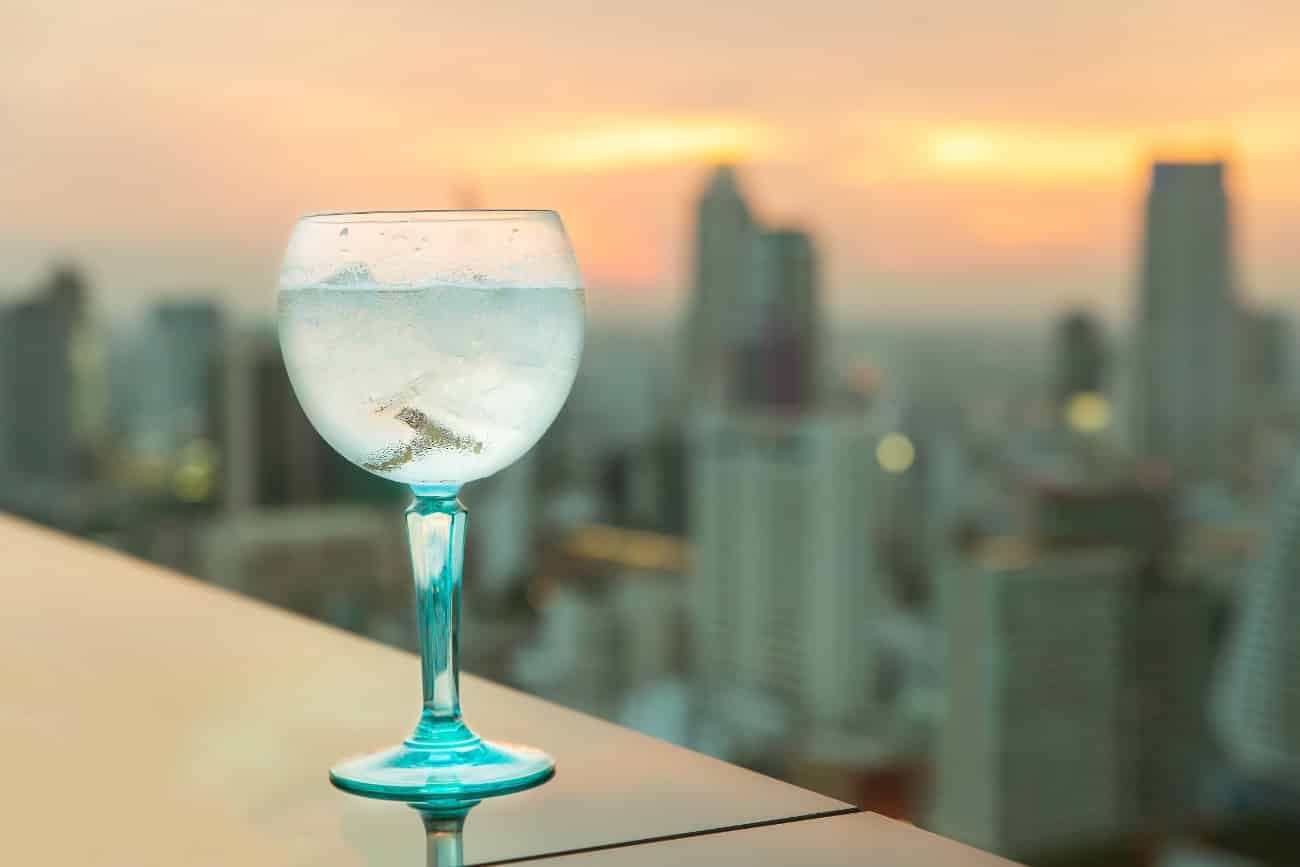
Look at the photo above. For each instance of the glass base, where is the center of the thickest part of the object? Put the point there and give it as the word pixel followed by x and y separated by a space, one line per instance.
pixel 443 760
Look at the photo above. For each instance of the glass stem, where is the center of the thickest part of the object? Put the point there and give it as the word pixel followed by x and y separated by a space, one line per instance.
pixel 444 845
pixel 435 525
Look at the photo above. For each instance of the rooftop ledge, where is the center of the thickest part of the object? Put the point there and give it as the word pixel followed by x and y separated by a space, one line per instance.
pixel 148 718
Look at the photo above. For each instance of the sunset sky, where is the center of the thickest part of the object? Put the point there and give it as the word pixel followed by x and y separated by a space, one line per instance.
pixel 951 158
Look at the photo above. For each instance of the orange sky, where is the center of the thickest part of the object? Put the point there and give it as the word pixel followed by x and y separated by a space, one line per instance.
pixel 950 157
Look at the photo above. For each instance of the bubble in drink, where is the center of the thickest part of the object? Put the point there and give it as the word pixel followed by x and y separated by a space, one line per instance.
pixel 432 385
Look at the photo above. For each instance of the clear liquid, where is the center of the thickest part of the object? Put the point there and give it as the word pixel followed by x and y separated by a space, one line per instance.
pixel 433 385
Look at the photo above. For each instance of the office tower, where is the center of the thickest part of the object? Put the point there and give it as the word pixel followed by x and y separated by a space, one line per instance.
pixel 723 285
pixel 1257 701
pixel 47 411
pixel 1187 317
pixel 1169 629
pixel 778 351
pixel 187 339
pixel 1034 755
pixel 1080 356
pixel 752 330
pixel 781 596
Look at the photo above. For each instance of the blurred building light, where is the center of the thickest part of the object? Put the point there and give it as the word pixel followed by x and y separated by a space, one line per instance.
pixel 895 453
pixel 1087 412
pixel 195 477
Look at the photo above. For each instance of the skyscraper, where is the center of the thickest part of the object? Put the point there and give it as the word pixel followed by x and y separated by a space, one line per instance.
pixel 781 595
pixel 1034 755
pixel 778 353
pixel 190 335
pixel 723 284
pixel 168 387
pixel 1186 359
pixel 41 404
pixel 1081 356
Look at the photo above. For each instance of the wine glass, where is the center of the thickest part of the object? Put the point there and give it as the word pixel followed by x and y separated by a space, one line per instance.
pixel 433 348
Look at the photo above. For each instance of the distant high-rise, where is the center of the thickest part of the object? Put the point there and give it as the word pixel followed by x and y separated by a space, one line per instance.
pixel 781 595
pixel 723 285
pixel 1187 318
pixel 191 337
pixel 168 379
pixel 1034 755
pixel 1257 702
pixel 777 355
pixel 1167 626
pixel 43 409
pixel 1081 356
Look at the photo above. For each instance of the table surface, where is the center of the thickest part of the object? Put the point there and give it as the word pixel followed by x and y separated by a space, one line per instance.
pixel 147 718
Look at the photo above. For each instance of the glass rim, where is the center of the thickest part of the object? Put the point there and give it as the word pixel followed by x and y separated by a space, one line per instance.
pixel 430 215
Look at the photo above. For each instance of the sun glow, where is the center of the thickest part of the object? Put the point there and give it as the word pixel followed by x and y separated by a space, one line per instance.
pixel 633 143
pixel 1028 154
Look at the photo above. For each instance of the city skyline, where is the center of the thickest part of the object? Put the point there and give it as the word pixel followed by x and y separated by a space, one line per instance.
pixel 972 577
pixel 984 167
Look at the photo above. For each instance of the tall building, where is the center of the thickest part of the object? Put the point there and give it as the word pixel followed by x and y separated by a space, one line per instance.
pixel 1034 755
pixel 723 285
pixel 782 595
pixel 751 329
pixel 189 337
pixel 1186 336
pixel 1168 626
pixel 1081 356
pixel 777 364
pixel 44 360
pixel 1257 702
